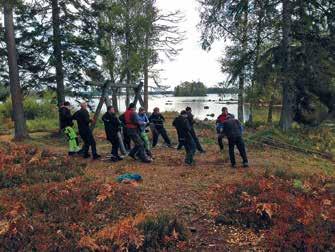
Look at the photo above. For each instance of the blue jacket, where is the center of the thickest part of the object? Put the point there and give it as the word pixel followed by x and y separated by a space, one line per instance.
pixel 143 119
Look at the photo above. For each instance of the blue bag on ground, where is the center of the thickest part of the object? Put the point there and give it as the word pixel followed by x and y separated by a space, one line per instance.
pixel 129 176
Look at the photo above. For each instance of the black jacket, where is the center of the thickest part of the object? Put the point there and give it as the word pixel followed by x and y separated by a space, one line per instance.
pixel 157 119
pixel 190 118
pixel 183 128
pixel 122 120
pixel 83 120
pixel 232 128
pixel 112 125
pixel 65 118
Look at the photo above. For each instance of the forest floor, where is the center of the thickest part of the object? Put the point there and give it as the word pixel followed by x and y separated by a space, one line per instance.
pixel 170 186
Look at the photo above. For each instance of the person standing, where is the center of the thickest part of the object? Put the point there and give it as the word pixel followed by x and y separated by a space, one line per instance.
pixel 190 118
pixel 112 128
pixel 132 124
pixel 184 129
pixel 66 124
pixel 219 125
pixel 142 116
pixel 83 120
pixel 157 119
pixel 126 138
pixel 232 128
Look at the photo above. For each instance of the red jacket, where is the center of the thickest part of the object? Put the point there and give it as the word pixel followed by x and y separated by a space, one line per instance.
pixel 222 118
pixel 130 119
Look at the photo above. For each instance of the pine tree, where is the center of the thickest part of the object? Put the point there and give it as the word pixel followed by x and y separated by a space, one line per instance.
pixel 15 89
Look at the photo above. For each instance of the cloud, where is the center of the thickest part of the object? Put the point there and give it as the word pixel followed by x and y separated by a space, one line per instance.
pixel 192 63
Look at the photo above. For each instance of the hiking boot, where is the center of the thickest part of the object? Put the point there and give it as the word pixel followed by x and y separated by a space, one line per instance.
pixel 86 155
pixel 119 158
pixel 71 153
pixel 146 161
pixel 114 159
pixel 96 156
pixel 233 166
pixel 132 156
pixel 245 165
pixel 188 163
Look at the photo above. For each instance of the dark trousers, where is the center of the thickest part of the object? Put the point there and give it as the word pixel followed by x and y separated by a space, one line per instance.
pixel 157 132
pixel 126 139
pixel 89 141
pixel 190 147
pixel 115 145
pixel 138 142
pixel 196 140
pixel 180 142
pixel 238 141
pixel 220 141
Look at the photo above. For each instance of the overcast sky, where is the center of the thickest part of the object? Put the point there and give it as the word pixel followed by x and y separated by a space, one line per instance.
pixel 192 63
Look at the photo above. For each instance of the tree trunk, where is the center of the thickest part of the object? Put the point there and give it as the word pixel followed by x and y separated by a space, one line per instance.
pixel 127 97
pixel 241 98
pixel 57 52
pixel 270 112
pixel 257 52
pixel 286 118
pixel 244 51
pixel 146 83
pixel 114 100
pixel 146 56
pixel 128 45
pixel 15 89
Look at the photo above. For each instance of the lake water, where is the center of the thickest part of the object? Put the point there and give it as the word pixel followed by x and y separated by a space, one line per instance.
pixel 202 107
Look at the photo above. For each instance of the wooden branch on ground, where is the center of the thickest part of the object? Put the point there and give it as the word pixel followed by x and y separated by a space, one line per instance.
pixel 282 145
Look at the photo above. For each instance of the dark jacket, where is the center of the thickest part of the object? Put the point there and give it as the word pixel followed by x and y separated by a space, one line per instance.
pixel 112 125
pixel 232 128
pixel 122 120
pixel 65 118
pixel 190 118
pixel 183 128
pixel 83 120
pixel 157 119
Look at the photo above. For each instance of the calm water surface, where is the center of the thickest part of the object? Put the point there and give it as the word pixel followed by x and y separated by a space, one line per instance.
pixel 203 107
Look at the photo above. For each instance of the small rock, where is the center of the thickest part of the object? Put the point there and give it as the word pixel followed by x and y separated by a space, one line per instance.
pixel 223 220
pixel 193 229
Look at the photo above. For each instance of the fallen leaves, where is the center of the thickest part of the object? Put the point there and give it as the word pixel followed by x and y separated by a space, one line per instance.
pixel 4 227
pixel 290 210
pixel 267 209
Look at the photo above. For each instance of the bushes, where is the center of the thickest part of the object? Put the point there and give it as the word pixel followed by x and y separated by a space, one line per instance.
pixel 41 114
pixel 321 139
pixel 56 216
pixel 140 233
pixel 43 124
pixel 28 165
pixel 34 107
pixel 162 231
pixel 294 215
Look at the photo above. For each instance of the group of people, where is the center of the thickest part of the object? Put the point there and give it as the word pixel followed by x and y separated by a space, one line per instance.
pixel 129 133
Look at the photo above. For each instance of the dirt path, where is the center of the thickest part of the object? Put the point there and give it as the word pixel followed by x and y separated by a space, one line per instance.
pixel 170 186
